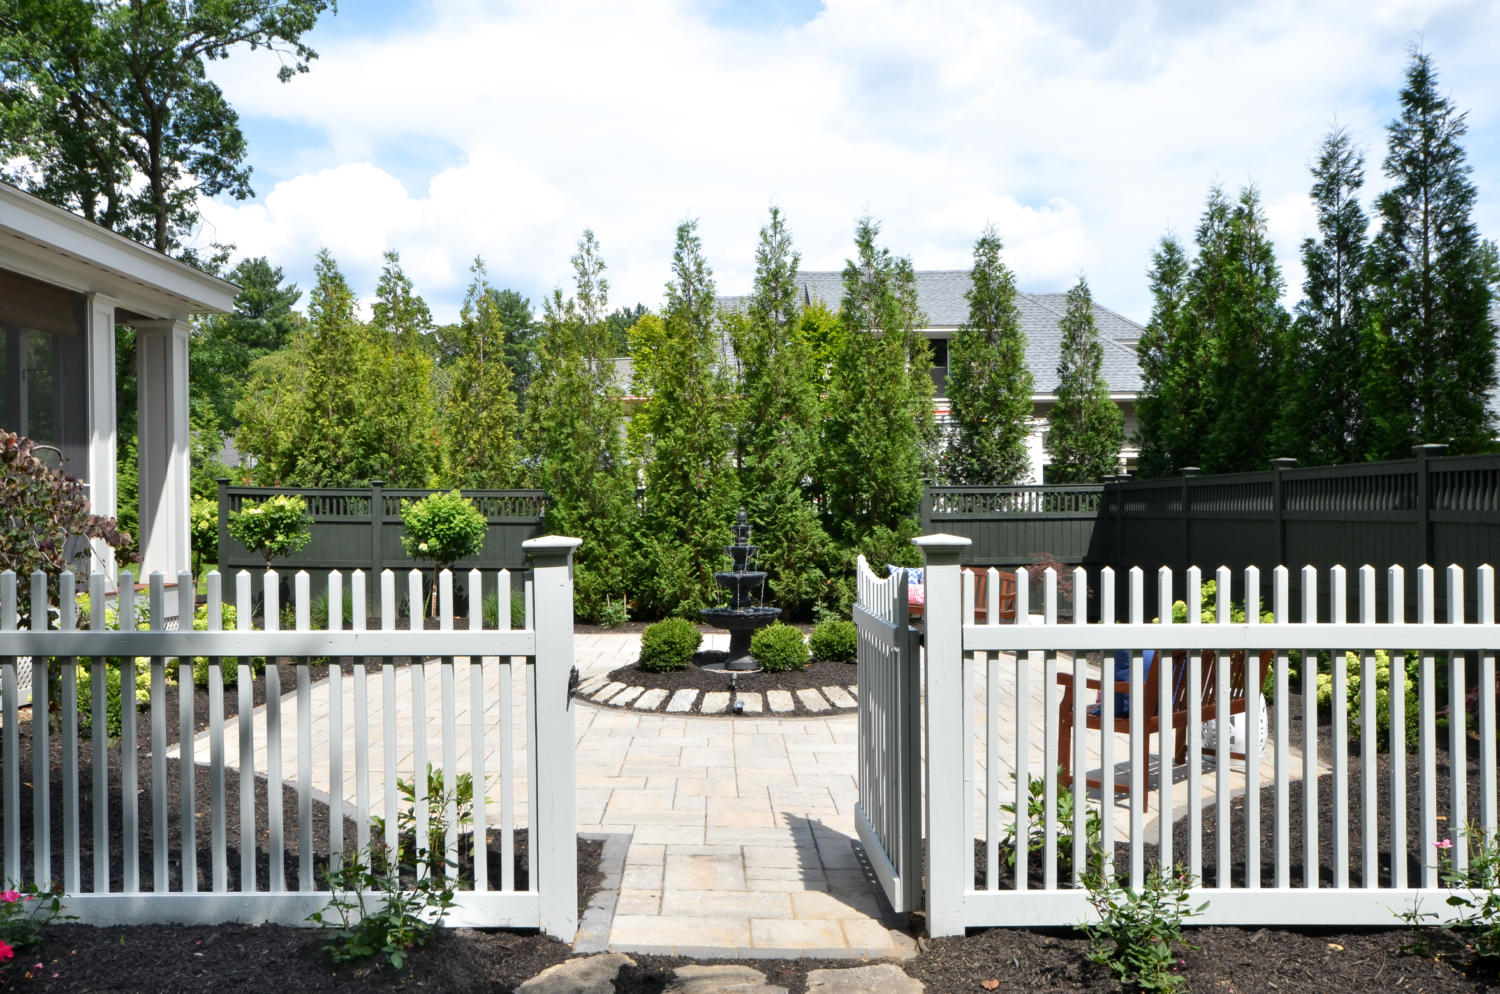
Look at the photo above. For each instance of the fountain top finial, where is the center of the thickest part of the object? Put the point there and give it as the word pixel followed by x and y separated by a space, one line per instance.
pixel 741 529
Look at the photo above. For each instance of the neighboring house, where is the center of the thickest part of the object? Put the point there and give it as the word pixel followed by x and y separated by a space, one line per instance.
pixel 65 283
pixel 940 294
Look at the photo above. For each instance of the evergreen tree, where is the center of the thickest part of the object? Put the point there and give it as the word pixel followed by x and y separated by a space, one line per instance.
pixel 573 444
pixel 879 431
pixel 1324 419
pixel 777 424
pixel 1236 290
pixel 619 323
pixel 682 438
pixel 480 448
pixel 989 383
pixel 1432 347
pixel 224 346
pixel 1086 427
pixel 1171 395
pixel 407 416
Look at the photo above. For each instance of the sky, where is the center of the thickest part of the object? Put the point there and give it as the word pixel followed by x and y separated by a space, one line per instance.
pixel 1083 131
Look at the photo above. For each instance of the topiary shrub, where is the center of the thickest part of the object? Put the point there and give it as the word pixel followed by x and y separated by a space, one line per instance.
pixel 669 645
pixel 836 641
pixel 779 647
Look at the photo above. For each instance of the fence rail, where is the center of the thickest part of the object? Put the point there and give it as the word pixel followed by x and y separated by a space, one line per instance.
pixel 356 734
pixel 1388 845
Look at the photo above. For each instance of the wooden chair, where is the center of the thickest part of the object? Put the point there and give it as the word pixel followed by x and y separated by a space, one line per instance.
pixel 1178 716
pixel 981 597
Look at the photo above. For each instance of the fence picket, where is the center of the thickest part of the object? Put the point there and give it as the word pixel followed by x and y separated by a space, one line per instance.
pixel 1338 601
pixel 450 718
pixel 970 662
pixel 1195 726
pixel 1310 854
pixel 1485 589
pixel 187 754
pixel 390 717
pixel 275 784
pixel 245 684
pixel 1281 598
pixel 41 745
pixel 1164 666
pixel 305 854
pixel 9 700
pixel 1458 733
pixel 67 616
pixel 1368 730
pixel 1080 764
pixel 1222 721
pixel 1396 599
pixel 1427 732
pixel 99 736
pixel 417 670
pixel 361 720
pixel 335 728
pixel 1137 713
pixel 1049 741
pixel 1106 723
pixel 160 880
pixel 1253 688
pixel 481 844
pixel 214 589
pixel 1023 740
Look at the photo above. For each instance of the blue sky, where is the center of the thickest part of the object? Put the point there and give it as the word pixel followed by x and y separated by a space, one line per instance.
pixel 1084 131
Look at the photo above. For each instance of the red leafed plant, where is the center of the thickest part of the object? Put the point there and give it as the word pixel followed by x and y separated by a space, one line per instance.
pixel 40 509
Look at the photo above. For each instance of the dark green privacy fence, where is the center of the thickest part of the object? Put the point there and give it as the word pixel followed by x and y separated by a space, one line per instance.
pixel 359 528
pixel 1429 509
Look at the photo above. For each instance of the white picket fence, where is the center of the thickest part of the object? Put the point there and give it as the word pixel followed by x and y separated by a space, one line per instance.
pixel 543 649
pixel 961 656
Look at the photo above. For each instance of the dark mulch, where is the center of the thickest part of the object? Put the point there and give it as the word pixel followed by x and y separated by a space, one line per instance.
pixel 816 675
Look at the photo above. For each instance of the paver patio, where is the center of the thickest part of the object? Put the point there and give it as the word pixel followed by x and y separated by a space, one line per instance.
pixel 742 829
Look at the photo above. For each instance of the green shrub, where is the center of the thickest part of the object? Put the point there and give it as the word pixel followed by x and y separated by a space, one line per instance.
pixel 1354 664
pixel 669 645
pixel 277 526
pixel 204 530
pixel 443 527
pixel 517 610
pixel 779 647
pixel 1137 934
pixel 837 641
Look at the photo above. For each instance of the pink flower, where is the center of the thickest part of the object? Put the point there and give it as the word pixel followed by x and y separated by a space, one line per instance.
pixel 10 896
pixel 5 951
pixel 1445 844
pixel 40 966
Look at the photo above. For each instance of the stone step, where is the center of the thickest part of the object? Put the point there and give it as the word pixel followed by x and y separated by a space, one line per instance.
pixel 812 700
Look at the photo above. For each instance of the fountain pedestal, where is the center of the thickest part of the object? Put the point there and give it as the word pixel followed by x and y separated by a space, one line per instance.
pixel 741 618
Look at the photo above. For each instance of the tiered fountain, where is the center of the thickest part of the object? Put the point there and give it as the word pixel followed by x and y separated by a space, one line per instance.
pixel 740 618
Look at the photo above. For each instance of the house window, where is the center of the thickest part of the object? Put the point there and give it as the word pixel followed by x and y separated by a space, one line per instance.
pixel 939 347
pixel 43 367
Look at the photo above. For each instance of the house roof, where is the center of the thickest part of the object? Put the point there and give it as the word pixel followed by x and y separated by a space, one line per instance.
pixel 48 243
pixel 940 294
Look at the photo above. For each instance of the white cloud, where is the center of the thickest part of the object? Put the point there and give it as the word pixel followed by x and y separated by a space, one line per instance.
pixel 1083 131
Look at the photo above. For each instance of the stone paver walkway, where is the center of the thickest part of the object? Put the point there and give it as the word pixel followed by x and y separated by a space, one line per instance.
pixel 742 829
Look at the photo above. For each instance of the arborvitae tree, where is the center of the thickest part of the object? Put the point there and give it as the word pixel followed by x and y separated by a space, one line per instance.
pixel 574 449
pixel 989 383
pixel 1323 420
pixel 777 424
pixel 618 324
pixel 406 414
pixel 1171 370
pixel 1432 347
pixel 681 436
pixel 480 449
pixel 1236 291
pixel 1086 427
pixel 879 432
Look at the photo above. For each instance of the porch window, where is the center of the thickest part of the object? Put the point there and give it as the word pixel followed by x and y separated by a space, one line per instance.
pixel 44 368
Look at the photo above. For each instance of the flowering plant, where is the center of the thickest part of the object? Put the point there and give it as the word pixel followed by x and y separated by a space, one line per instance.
pixel 24 912
pixel 277 526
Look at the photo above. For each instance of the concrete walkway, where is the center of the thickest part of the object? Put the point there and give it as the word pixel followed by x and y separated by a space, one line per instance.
pixel 742 829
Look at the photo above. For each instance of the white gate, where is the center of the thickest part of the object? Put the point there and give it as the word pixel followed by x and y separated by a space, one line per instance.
pixel 889 813
pixel 353 735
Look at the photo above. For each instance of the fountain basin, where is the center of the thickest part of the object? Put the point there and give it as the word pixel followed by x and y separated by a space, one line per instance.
pixel 741 623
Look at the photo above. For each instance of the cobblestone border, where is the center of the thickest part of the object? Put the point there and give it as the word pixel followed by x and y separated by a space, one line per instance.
pixel 599 917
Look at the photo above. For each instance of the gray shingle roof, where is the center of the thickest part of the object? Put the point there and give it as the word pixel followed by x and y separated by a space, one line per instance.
pixel 940 293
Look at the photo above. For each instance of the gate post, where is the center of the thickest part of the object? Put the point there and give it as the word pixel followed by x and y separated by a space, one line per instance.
pixel 554 823
pixel 946 749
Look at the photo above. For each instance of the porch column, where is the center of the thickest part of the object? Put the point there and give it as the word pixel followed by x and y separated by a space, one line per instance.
pixel 104 490
pixel 161 349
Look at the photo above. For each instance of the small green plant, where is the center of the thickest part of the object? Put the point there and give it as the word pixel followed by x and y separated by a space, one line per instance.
pixel 614 613
pixel 24 911
pixel 837 641
pixel 443 527
pixel 203 530
pixel 438 799
pixel 1476 895
pixel 1137 933
pixel 517 610
pixel 669 645
pixel 277 526
pixel 1036 813
pixel 779 647
pixel 317 611
pixel 383 906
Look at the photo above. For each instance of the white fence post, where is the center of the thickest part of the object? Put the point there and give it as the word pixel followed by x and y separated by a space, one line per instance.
pixel 945 748
pixel 554 820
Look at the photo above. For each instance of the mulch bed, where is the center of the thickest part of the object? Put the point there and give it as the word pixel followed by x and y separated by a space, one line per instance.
pixel 816 675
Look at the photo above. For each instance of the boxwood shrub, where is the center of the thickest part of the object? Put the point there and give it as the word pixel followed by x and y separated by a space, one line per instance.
pixel 779 647
pixel 836 641
pixel 669 645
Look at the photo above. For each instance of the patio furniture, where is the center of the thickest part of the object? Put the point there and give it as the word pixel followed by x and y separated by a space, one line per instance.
pixel 1151 705
pixel 1007 612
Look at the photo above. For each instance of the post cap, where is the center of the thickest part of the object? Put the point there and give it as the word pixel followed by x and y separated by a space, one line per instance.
pixel 1285 462
pixel 549 546
pixel 941 541
pixel 1429 449
pixel 1191 471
